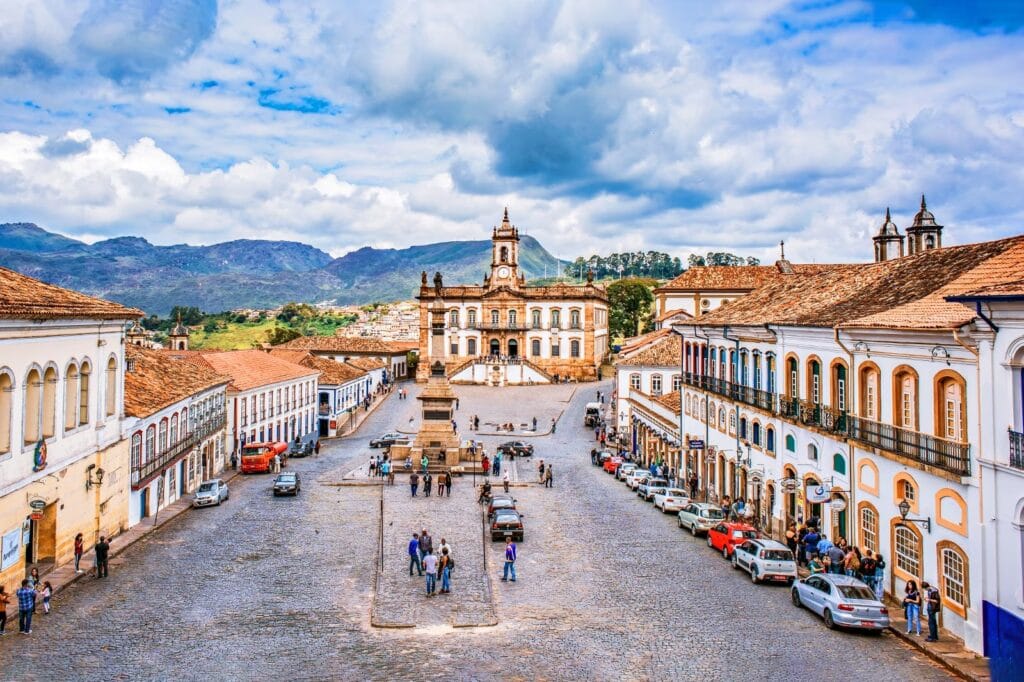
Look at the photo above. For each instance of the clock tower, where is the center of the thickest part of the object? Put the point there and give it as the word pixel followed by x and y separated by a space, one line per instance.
pixel 504 256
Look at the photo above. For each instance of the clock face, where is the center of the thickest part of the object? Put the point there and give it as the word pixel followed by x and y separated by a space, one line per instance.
pixel 503 272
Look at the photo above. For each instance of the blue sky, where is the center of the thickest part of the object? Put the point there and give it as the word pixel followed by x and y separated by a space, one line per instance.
pixel 603 125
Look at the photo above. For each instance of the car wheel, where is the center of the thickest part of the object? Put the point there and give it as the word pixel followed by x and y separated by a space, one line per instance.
pixel 710 544
pixel 725 552
pixel 693 530
pixel 735 562
pixel 219 501
pixel 795 596
pixel 753 575
pixel 829 623
pixel 680 522
pixel 227 496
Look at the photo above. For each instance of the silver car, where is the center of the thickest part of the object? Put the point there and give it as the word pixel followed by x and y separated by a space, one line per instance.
pixel 700 516
pixel 625 470
pixel 842 601
pixel 210 493
pixel 647 489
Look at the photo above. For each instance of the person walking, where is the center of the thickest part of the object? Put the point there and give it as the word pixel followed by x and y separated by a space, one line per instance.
pixel 934 604
pixel 426 544
pixel 445 567
pixel 428 484
pixel 912 604
pixel 485 464
pixel 879 576
pixel 496 464
pixel 448 483
pixel 534 423
pixel 414 482
pixel 549 479
pixel 430 568
pixel 5 599
pixel 277 464
pixel 79 551
pixel 102 549
pixel 316 448
pixel 440 485
pixel 414 555
pixel 540 472
pixel 26 606
pixel 45 594
pixel 504 481
pixel 510 560
pixel 693 486
pixel 554 425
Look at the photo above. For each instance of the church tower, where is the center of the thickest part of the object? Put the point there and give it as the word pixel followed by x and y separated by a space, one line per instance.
pixel 179 336
pixel 504 256
pixel 924 233
pixel 888 241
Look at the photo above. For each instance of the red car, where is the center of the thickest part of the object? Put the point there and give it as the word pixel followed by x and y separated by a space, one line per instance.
pixel 612 464
pixel 726 535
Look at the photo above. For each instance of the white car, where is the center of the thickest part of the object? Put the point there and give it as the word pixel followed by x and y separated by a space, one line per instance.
pixel 624 470
pixel 671 500
pixel 765 560
pixel 648 488
pixel 636 478
pixel 210 493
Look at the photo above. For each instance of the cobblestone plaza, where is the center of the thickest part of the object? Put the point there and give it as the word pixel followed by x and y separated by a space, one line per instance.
pixel 608 588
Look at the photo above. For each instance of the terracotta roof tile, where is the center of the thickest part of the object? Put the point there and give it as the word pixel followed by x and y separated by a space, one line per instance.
pixel 350 344
pixel 635 343
pixel 669 314
pixel 733 277
pixel 366 364
pixel 670 400
pixel 25 298
pixel 252 368
pixel 331 373
pixel 158 379
pixel 666 352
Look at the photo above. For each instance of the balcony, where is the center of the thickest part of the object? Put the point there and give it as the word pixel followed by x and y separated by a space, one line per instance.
pixel 1016 449
pixel 932 450
pixel 499 327
pixel 200 430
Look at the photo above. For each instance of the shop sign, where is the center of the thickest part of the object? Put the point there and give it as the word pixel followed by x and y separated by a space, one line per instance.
pixel 838 504
pixel 37 504
pixel 816 494
pixel 696 444
pixel 36 516
pixel 789 485
pixel 10 548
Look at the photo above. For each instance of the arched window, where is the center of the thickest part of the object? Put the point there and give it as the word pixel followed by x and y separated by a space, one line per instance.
pixel 756 429
pixel 687 403
pixel 953 576
pixel 905 404
pixel 769 362
pixel 495 316
pixel 162 437
pixel 733 374
pixel 504 254
pixel 870 395
pixel 769 439
pixel 790 442
pixel 471 317
pixel 174 427
pixel 712 364
pixel 110 390
pixel 512 315
pixel 535 318
pixel 634 382
pixel 535 348
pixel 952 422
pixel 812 452
pixel 713 414
pixel 33 406
pixel 184 422
pixel 793 372
pixel 471 347
pixel 150 444
pixel 743 428
pixel 84 375
pixel 71 397
pixel 721 417
pixel 677 382
pixel 556 318
pixel 6 407
pixel 839 463
pixel 839 387
pixel 907 550
pixel 655 383
pixel 744 377
pixel 814 379
pixel 574 351
pixel 453 318
pixel 574 319
pixel 136 450
pixel 869 527
pixel 721 364
pixel 732 421
pixel 49 402
pixel 757 370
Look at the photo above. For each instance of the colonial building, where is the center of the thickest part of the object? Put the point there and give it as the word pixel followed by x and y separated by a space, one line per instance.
pixel 874 397
pixel 64 467
pixel 342 388
pixel 393 354
pixel 505 332
pixel 176 427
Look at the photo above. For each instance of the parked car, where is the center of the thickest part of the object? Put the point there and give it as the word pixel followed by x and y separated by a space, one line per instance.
pixel 301 449
pixel 725 536
pixel 624 469
pixel 612 464
pixel 211 492
pixel 388 439
pixel 671 499
pixel 500 501
pixel 603 456
pixel 646 489
pixel 507 523
pixel 287 483
pixel 515 448
pixel 637 477
pixel 765 560
pixel 699 517
pixel 842 601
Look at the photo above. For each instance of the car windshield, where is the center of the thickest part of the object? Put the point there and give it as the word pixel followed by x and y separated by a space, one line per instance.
pixel 207 487
pixel 506 516
pixel 675 492
pixel 502 502
pixel 777 555
pixel 286 478
pixel 740 534
pixel 856 592
pixel 657 481
pixel 712 513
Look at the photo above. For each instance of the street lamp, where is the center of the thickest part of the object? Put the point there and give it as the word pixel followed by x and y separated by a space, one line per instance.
pixel 904 508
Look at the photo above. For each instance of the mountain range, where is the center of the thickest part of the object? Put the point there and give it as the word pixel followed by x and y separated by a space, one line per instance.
pixel 245 273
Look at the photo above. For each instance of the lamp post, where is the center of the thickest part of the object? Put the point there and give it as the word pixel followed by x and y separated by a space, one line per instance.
pixel 904 508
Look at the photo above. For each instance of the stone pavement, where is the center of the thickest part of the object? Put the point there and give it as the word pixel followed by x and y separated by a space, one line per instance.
pixel 949 650
pixel 400 600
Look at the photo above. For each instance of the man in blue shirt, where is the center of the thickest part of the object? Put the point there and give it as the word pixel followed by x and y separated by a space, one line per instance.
pixel 26 604
pixel 414 554
pixel 510 560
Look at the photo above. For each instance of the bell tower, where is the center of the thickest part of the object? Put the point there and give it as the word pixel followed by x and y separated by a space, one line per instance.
pixel 504 255
pixel 888 241
pixel 924 234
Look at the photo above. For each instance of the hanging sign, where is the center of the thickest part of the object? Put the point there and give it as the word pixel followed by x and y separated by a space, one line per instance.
pixel 789 485
pixel 816 494
pixel 39 456
pixel 10 548
pixel 838 504
pixel 37 504
pixel 696 444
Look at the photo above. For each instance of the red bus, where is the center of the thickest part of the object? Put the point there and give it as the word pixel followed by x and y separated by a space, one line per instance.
pixel 259 457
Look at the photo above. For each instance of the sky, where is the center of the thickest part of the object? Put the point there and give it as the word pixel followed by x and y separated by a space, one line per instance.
pixel 603 125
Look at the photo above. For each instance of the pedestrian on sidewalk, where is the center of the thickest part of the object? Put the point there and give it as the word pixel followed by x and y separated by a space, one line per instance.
pixel 485 464
pixel 79 551
pixel 448 483
pixel 912 605
pixel 414 482
pixel 440 485
pixel 446 570
pixel 504 481
pixel 414 555
pixel 534 423
pixel 879 576
pixel 554 425
pixel 5 599
pixel 428 484
pixel 510 560
pixel 46 593
pixel 430 567
pixel 934 604
pixel 549 479
pixel 496 464
pixel 456 403
pixel 102 549
pixel 26 607
pixel 391 473
pixel 373 466
pixel 33 578
pixel 693 486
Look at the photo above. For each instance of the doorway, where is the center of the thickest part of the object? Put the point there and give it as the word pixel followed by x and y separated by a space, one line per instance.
pixel 144 502
pixel 513 348
pixel 495 347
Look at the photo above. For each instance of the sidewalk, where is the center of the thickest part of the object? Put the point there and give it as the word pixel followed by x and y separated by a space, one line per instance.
pixel 362 416
pixel 64 575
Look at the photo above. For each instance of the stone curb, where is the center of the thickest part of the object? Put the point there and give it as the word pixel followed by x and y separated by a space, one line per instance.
pixel 938 658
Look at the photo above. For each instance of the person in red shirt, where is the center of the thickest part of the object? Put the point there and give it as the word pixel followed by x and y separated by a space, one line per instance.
pixel 485 465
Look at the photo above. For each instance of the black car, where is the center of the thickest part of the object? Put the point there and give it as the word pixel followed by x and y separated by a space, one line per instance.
pixel 287 483
pixel 507 523
pixel 500 502
pixel 515 448
pixel 388 439
pixel 301 449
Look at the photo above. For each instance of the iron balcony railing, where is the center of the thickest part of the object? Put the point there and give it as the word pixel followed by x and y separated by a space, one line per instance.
pixel 1016 449
pixel 499 326
pixel 201 429
pixel 944 454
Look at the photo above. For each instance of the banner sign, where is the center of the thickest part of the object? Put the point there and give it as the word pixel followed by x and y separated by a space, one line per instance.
pixel 11 548
pixel 696 444
pixel 816 494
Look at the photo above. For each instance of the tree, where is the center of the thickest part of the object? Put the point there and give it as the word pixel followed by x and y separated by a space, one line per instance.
pixel 630 303
pixel 190 315
pixel 720 258
pixel 291 311
pixel 279 335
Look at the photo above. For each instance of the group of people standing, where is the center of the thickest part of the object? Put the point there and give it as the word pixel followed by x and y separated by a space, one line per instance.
pixel 383 467
pixel 814 550
pixel 546 476
pixel 429 564
pixel 444 483
pixel 913 601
